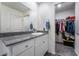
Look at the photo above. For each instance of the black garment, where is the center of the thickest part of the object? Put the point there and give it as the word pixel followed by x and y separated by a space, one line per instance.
pixel 63 35
pixel 70 27
pixel 66 26
pixel 57 28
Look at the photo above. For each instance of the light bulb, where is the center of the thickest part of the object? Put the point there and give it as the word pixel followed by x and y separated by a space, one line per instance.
pixel 59 5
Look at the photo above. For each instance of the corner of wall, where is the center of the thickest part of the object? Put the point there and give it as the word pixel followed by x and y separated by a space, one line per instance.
pixel 76 52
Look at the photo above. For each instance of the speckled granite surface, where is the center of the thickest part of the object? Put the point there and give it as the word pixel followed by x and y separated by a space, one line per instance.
pixel 11 40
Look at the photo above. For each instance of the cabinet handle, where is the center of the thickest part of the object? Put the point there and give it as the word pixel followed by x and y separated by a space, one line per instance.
pixel 26 46
pixel 43 41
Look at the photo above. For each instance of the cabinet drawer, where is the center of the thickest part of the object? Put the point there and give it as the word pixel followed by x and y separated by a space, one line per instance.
pixel 41 50
pixel 19 48
pixel 45 48
pixel 28 52
pixel 41 47
pixel 41 40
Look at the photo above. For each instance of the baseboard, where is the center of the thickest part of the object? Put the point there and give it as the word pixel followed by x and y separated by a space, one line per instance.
pixel 51 52
pixel 59 42
pixel 76 53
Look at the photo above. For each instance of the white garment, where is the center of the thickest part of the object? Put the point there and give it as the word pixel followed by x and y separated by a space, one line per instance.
pixel 3 49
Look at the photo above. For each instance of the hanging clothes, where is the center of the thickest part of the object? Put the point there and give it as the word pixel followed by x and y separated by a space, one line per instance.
pixel 62 26
pixel 66 26
pixel 57 27
pixel 71 27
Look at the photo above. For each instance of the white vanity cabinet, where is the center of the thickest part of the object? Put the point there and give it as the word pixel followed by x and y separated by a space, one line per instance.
pixel 34 47
pixel 41 45
pixel 23 49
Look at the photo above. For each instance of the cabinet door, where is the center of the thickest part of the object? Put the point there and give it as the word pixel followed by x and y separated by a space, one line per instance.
pixel 39 50
pixel 10 50
pixel 39 40
pixel 41 45
pixel 29 52
pixel 45 48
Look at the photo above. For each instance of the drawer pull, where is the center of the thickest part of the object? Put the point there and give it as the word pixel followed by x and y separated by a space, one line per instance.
pixel 26 46
pixel 43 41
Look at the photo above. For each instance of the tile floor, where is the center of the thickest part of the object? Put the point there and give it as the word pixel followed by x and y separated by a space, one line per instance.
pixel 65 50
pixel 62 50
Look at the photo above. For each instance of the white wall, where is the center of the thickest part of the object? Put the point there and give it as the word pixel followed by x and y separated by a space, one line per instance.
pixel 64 14
pixel 46 11
pixel 77 36
pixel 26 23
pixel 52 30
pixel 0 15
pixel 33 16
pixel 39 14
pixel 12 20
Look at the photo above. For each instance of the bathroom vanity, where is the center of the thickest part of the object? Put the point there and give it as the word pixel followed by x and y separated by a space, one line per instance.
pixel 32 44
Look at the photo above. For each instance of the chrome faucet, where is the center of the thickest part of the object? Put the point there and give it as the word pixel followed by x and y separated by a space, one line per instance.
pixel 34 30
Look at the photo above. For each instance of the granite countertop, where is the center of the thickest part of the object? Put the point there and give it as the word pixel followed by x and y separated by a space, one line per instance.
pixel 11 40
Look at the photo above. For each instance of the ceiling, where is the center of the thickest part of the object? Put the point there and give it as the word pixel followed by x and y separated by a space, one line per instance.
pixel 65 6
pixel 22 8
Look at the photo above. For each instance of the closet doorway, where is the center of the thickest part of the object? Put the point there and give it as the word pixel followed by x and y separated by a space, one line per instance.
pixel 65 28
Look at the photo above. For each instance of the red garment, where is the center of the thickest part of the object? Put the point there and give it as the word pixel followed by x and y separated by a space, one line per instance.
pixel 62 27
pixel 71 18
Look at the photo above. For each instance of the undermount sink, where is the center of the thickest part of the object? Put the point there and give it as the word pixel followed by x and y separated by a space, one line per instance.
pixel 38 33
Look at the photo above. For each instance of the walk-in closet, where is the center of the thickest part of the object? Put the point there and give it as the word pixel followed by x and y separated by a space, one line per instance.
pixel 65 28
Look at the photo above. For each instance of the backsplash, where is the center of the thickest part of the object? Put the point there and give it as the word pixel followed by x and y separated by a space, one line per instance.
pixel 13 33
